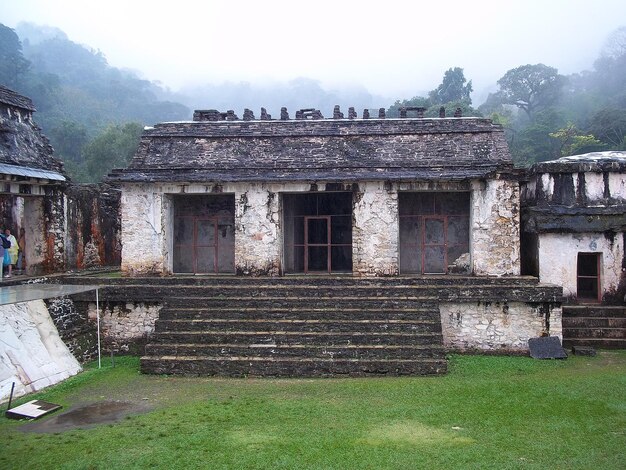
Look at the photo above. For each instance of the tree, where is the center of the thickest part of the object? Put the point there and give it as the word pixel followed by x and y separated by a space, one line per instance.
pixel 609 125
pixel 531 87
pixel 113 148
pixel 452 88
pixel 68 139
pixel 12 61
pixel 573 142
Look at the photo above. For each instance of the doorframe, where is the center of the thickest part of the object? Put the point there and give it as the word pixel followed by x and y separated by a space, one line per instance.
pixel 327 218
pixel 598 277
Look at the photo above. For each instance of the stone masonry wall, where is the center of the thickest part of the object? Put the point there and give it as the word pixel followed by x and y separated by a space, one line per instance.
pixel 125 326
pixel 375 230
pixel 495 228
pixel 142 233
pixel 257 219
pixel 497 326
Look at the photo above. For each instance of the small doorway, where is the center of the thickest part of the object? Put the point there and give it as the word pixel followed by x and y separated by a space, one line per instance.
pixel 318 233
pixel 588 276
pixel 204 234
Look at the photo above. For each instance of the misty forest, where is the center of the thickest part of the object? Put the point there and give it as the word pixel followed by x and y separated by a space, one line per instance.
pixel 93 113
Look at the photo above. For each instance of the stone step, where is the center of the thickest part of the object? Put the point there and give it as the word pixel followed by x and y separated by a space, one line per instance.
pixel 594 322
pixel 572 333
pixel 296 338
pixel 598 343
pixel 300 312
pixel 219 302
pixel 298 325
pixel 295 280
pixel 289 367
pixel 594 311
pixel 297 351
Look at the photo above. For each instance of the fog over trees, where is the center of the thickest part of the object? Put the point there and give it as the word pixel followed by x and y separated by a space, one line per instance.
pixel 93 113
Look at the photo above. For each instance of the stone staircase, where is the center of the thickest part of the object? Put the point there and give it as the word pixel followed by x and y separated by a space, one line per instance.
pixel 240 327
pixel 602 327
pixel 299 326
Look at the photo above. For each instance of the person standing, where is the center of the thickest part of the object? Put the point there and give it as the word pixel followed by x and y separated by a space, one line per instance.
pixel 13 250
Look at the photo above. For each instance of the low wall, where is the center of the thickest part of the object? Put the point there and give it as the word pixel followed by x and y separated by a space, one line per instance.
pixel 497 326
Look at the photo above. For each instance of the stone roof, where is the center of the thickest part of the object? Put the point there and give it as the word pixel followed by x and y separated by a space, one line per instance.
pixel 588 162
pixel 12 98
pixel 319 150
pixel 22 143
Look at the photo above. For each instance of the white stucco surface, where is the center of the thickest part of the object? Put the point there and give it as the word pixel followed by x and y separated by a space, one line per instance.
pixel 495 228
pixel 32 355
pixel 559 254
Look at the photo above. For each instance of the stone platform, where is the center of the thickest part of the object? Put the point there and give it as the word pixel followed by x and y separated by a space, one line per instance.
pixel 307 325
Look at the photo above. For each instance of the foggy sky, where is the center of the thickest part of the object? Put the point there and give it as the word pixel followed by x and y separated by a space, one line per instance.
pixel 396 49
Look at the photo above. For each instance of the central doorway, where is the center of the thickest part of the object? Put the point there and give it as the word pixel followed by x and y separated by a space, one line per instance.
pixel 318 232
pixel 204 234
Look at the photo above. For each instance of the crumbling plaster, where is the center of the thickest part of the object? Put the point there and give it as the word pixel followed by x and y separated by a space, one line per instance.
pixel 559 254
pixel 375 230
pixel 495 228
pixel 497 326
pixel 147 209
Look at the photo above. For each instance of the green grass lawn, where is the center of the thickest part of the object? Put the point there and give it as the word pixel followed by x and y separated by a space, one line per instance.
pixel 488 412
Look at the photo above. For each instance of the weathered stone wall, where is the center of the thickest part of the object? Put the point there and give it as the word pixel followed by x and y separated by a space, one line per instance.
pixel 54 228
pixel 147 221
pixel 93 232
pixel 497 326
pixel 375 230
pixel 143 248
pixel 558 254
pixel 495 228
pixel 74 327
pixel 257 219
pixel 124 327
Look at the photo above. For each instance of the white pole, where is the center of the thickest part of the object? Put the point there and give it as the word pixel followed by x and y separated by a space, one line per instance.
pixel 98 319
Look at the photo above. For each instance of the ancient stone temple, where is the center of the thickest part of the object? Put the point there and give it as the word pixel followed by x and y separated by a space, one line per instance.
pixel 403 206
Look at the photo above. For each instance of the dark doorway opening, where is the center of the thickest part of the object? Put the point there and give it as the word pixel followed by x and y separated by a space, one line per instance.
pixel 434 232
pixel 588 276
pixel 318 232
pixel 204 234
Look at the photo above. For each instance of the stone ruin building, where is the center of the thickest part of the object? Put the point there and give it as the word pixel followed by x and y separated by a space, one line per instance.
pixel 67 226
pixel 33 181
pixel 359 246
pixel 573 235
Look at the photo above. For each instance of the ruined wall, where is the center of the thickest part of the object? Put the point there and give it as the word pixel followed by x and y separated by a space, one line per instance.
pixel 93 233
pixel 54 228
pixel 125 326
pixel 258 246
pixel 77 332
pixel 143 249
pixel 375 230
pixel 495 228
pixel 497 326
pixel 558 254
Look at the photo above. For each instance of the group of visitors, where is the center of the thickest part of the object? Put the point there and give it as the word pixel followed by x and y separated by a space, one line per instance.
pixel 12 252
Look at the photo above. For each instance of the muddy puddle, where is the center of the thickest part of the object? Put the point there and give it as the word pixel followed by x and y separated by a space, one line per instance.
pixel 86 416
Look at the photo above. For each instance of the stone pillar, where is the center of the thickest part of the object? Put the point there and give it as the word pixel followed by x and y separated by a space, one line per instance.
pixel 143 245
pixel 54 210
pixel 495 228
pixel 257 241
pixel 375 230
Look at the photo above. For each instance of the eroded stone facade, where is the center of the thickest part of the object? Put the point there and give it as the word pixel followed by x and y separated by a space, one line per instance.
pixel 497 326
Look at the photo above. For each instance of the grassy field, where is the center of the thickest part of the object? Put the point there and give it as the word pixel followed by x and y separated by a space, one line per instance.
pixel 488 412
